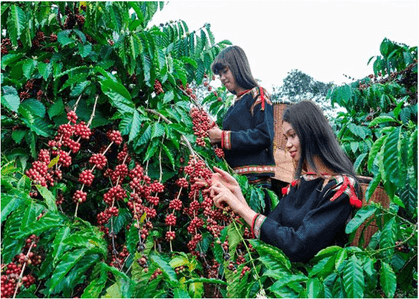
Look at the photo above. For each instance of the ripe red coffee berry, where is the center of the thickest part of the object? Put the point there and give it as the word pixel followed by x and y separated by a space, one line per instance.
pixel 79 196
pixel 99 160
pixel 115 136
pixel 170 220
pixel 86 177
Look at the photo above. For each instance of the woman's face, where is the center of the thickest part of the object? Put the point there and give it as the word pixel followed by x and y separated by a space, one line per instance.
pixel 293 142
pixel 228 80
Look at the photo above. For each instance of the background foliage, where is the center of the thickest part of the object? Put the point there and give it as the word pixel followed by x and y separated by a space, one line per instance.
pixel 103 61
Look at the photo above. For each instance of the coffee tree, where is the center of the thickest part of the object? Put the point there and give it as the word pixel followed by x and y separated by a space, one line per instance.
pixel 103 140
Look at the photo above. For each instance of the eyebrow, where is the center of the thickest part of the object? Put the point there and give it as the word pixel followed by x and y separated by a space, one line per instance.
pixel 290 129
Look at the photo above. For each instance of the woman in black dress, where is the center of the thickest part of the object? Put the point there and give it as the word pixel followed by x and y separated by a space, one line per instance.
pixel 317 205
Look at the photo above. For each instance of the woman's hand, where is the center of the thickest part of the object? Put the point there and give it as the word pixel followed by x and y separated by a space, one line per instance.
pixel 214 135
pixel 227 180
pixel 221 194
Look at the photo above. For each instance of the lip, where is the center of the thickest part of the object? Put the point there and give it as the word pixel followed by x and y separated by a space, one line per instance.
pixel 293 153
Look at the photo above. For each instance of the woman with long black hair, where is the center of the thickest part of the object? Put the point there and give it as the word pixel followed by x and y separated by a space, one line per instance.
pixel 317 205
pixel 247 133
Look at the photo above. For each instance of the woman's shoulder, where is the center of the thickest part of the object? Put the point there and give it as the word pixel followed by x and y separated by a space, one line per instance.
pixel 343 184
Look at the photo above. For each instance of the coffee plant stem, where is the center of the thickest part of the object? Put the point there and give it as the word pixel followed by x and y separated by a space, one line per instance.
pixel 160 167
pixel 93 112
pixel 414 232
pixel 77 207
pixel 23 269
pixel 250 254
pixel 76 104
pixel 188 144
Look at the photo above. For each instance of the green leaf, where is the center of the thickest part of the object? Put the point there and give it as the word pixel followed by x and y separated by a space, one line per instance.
pixel 235 233
pixel 11 245
pixel 206 280
pixel 180 293
pixel 118 95
pixel 169 155
pixel 153 147
pixel 167 270
pixel 287 280
pixel 388 280
pixel 28 67
pixel 16 23
pixel 353 278
pixel 388 235
pixel 359 161
pixel 265 249
pixel 48 196
pixel 145 137
pixel 375 149
pixel 44 69
pixel 56 108
pixel 382 119
pixel 157 130
pixel 10 99
pixel 85 49
pixel 9 59
pixel 46 222
pixel 96 286
pixel 323 268
pixel 315 288
pixel 63 38
pixel 35 107
pixel 67 262
pixel 359 218
pixel 357 130
pixel 135 126
pixel 32 211
pixel 372 186
pixel 58 246
pixel 11 201
pixel 392 156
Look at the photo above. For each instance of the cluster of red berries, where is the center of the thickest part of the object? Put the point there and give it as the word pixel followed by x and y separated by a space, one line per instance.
pixel 79 196
pixel 11 272
pixel 189 92
pixel 5 44
pixel 86 177
pixel 158 89
pixel 402 247
pixel 201 124
pixel 244 270
pixel 118 260
pixel 156 273
pixel 98 160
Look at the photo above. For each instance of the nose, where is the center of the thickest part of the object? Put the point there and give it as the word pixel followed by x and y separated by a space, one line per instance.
pixel 288 144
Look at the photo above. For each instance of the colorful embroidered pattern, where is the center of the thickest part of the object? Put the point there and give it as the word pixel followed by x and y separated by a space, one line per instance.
pixel 227 140
pixel 254 169
pixel 257 226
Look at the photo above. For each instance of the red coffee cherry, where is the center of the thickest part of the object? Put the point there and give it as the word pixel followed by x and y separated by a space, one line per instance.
pixel 86 177
pixel 99 160
pixel 79 196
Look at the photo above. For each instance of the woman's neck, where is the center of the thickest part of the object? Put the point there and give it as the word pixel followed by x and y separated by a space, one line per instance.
pixel 320 167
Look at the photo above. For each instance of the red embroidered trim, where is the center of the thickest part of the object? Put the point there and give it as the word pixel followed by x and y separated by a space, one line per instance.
pixel 353 198
pixel 253 225
pixel 254 169
pixel 242 93
pixel 227 141
pixel 258 225
pixel 222 139
pixel 262 98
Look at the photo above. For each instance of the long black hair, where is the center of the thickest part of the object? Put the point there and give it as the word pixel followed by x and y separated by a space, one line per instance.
pixel 235 58
pixel 317 139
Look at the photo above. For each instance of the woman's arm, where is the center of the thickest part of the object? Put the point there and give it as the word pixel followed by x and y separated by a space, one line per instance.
pixel 257 138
